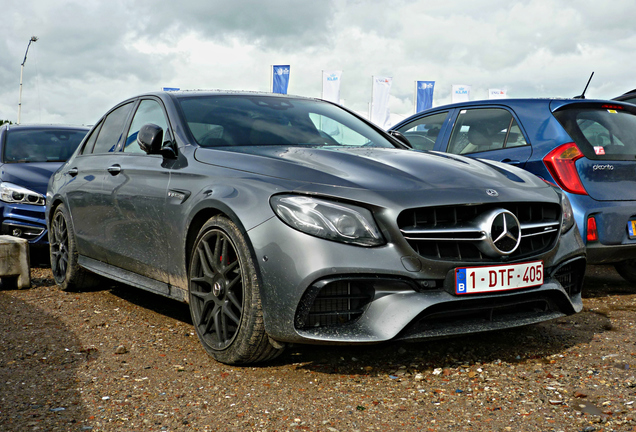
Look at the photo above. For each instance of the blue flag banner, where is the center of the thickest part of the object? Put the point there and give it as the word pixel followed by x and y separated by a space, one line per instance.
pixel 280 78
pixel 424 95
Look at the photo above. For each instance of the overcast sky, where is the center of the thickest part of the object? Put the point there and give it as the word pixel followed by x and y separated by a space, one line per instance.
pixel 92 54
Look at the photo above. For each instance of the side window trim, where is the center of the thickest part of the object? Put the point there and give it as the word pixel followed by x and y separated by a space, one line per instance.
pixel 125 123
pixel 91 139
pixel 441 134
pixel 167 132
pixel 513 121
pixel 447 128
pixel 124 134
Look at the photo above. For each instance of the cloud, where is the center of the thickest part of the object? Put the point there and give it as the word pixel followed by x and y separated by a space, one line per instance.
pixel 92 54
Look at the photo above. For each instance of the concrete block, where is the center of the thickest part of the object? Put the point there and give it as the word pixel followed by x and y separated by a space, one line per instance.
pixel 14 261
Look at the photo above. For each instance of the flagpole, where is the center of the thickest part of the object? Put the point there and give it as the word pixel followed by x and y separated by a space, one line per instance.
pixel 415 98
pixel 33 39
pixel 322 80
pixel 372 95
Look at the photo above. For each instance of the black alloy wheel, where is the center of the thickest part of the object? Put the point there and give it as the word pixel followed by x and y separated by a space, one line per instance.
pixel 225 296
pixel 58 241
pixel 217 289
pixel 64 256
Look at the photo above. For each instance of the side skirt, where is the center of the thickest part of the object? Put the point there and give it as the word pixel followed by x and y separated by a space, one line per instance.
pixel 134 279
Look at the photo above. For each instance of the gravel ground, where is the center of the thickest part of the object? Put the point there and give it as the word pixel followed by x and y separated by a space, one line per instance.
pixel 120 359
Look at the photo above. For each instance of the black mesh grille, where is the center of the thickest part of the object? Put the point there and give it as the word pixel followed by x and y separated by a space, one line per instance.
pixel 334 304
pixel 570 276
pixel 448 217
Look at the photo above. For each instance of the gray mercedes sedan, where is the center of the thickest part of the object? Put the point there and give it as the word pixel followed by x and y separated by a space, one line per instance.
pixel 287 219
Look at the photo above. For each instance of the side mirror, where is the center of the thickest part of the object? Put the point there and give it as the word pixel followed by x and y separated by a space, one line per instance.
pixel 150 138
pixel 401 138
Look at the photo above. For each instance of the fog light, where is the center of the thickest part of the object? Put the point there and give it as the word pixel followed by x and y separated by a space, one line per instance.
pixel 16 232
pixel 592 233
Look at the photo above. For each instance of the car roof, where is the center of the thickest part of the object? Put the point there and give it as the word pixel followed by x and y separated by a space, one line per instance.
pixel 627 95
pixel 177 94
pixel 555 102
pixel 56 127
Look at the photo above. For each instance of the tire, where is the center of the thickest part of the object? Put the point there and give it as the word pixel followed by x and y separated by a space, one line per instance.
pixel 627 270
pixel 224 294
pixel 63 254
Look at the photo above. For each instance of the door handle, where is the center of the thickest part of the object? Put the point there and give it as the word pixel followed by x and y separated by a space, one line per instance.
pixel 114 169
pixel 72 172
pixel 510 161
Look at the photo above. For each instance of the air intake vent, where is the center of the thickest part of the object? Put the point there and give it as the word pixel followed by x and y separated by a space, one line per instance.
pixel 334 303
pixel 570 276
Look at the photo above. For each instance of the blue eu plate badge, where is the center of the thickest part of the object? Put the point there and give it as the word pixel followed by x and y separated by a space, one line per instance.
pixel 460 280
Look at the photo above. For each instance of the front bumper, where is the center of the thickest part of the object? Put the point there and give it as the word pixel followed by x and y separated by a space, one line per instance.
pixel 390 296
pixel 25 221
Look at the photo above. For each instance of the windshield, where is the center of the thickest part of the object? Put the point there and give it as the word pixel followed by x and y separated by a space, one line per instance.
pixel 219 121
pixel 41 145
pixel 602 133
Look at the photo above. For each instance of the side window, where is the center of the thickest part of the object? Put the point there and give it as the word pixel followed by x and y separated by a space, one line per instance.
pixel 423 132
pixel 90 142
pixel 484 129
pixel 112 130
pixel 515 137
pixel 149 111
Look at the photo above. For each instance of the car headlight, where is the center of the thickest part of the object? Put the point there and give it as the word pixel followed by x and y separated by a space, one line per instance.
pixel 12 193
pixel 333 221
pixel 568 216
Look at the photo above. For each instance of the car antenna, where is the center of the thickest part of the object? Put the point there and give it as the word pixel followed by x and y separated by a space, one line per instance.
pixel 582 95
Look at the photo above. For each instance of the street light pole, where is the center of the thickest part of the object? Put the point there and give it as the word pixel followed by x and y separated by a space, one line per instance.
pixel 33 39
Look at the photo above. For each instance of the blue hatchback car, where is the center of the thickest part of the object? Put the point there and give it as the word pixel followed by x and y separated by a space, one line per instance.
pixel 586 147
pixel 29 155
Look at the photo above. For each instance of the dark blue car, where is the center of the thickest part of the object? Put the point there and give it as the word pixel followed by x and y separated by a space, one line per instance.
pixel 29 155
pixel 586 147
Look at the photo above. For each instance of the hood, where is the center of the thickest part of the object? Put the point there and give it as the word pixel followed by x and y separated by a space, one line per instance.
pixel 376 169
pixel 32 175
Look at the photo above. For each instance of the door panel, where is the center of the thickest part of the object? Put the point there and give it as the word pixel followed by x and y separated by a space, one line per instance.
pixel 135 190
pixel 86 203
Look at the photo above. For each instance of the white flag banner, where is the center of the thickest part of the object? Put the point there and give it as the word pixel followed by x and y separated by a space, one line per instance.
pixel 460 93
pixel 331 85
pixel 380 101
pixel 497 94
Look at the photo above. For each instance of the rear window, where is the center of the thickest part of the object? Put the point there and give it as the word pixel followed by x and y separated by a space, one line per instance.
pixel 602 133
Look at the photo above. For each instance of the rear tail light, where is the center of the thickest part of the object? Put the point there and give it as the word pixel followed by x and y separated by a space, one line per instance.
pixel 592 232
pixel 561 162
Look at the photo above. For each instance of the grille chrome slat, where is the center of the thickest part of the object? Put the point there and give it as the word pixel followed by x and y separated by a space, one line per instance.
pixel 451 232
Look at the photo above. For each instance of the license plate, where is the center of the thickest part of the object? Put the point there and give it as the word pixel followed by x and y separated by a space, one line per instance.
pixel 470 280
pixel 631 228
